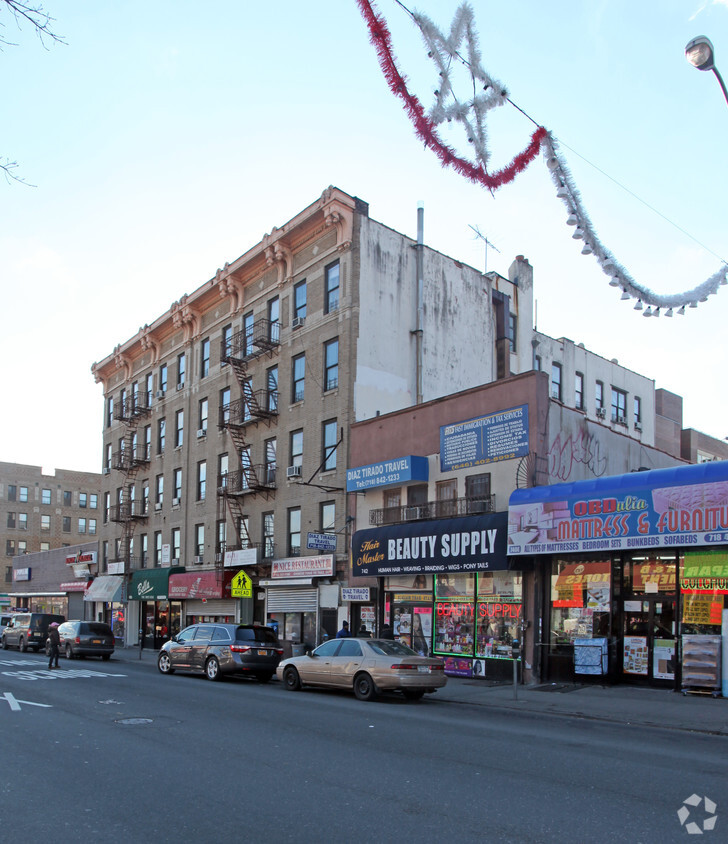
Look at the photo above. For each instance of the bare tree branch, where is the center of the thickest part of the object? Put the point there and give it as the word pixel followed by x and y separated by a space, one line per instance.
pixel 35 15
pixel 7 167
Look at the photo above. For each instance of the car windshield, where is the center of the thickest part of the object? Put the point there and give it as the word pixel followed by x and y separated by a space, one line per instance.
pixel 256 634
pixel 384 647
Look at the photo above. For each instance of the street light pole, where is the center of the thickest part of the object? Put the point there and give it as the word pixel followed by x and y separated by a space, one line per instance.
pixel 699 52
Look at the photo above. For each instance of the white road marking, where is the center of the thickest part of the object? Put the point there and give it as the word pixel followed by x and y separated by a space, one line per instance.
pixel 57 674
pixel 15 703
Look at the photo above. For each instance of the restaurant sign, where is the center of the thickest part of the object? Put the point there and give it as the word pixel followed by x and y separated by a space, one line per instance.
pixel 303 567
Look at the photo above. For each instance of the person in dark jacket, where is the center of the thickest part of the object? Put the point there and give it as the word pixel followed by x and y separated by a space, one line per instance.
pixel 387 632
pixel 55 644
pixel 344 633
pixel 364 633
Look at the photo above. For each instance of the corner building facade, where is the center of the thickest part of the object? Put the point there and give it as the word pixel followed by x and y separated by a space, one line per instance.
pixel 226 420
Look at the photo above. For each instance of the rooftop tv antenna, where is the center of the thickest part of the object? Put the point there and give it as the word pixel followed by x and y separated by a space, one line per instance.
pixel 479 234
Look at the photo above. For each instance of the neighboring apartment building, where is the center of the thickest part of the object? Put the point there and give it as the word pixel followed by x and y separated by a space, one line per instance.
pixel 46 511
pixel 226 431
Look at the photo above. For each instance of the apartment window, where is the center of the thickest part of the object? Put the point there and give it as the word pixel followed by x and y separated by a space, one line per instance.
pixel 179 428
pixel 12 520
pixel 199 540
pixel 248 324
pixel 225 406
pixel 298 373
pixel 294 532
pixel 135 396
pixel 299 300
pixel 161 435
pixel 512 331
pixel 270 461
pixel 10 548
pixel 329 445
pixel 272 389
pixel 159 490
pixel 274 316
pixel 45 523
pixel 227 342
pixel 556 381
pixel 123 409
pixel 145 497
pixel 331 364
pixel 177 485
pixel 22 521
pixel 157 547
pixel 446 493
pixel 12 492
pixel 247 395
pixel 244 531
pixel 82 500
pixel 637 411
pixel 328 516
pixel 148 382
pixel 222 470
pixel 181 370
pixel 143 550
pixel 176 545
pixel 205 357
pixel 537 363
pixel 331 288
pixel 599 395
pixel 221 535
pixel 201 480
pixel 619 406
pixel 45 496
pixel 296 448
pixel 268 535
pixel 45 546
pixel 92 527
pixel 22 546
pixel 579 391
pixel 107 458
pixel 67 498
pixel 163 378
pixel 147 443
pixel 82 525
pixel 246 465
pixel 202 413
pixel 109 411
pixel 23 496
pixel 477 492
pixel 107 506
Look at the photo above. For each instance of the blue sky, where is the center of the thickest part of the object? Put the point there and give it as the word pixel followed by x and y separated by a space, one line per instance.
pixel 167 138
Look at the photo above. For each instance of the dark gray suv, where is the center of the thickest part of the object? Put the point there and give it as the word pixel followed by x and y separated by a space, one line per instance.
pixel 85 638
pixel 29 630
pixel 219 649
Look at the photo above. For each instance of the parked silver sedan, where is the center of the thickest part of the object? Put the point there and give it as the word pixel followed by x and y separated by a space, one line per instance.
pixel 367 666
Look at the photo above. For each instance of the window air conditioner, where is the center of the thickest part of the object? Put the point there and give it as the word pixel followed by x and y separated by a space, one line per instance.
pixel 158 505
pixel 621 420
pixel 199 561
pixel 638 426
pixel 293 472
pixel 175 502
pixel 107 470
pixel 159 394
pixel 298 321
pixel 601 412
pixel 180 386
pixel 201 433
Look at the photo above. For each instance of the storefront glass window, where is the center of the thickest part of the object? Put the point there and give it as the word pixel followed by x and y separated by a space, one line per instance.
pixel 458 586
pixel 580 600
pixel 498 612
pixel 292 629
pixel 454 627
pixel 653 573
pixel 704 587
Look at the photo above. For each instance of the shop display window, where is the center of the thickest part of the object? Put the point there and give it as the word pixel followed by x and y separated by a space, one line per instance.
pixel 498 613
pixel 580 599
pixel 654 573
pixel 454 633
pixel 456 586
pixel 704 588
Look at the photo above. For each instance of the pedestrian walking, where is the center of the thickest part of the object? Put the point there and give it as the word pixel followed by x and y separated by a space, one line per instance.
pixel 55 643
pixel 344 633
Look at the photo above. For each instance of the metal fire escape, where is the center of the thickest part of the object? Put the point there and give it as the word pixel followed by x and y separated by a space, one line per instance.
pixel 130 457
pixel 253 407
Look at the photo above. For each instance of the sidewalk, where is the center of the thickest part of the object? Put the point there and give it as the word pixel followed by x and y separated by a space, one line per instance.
pixel 622 704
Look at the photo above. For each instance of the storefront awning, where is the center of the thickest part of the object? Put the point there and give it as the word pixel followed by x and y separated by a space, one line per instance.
pixel 196 585
pixel 471 543
pixel 73 586
pixel 105 589
pixel 151 584
pixel 679 506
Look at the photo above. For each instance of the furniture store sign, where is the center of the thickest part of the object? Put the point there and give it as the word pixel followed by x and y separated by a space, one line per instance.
pixel 485 439
pixel 471 543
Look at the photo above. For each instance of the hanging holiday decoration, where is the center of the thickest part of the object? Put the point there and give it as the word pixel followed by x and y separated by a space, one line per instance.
pixel 445 50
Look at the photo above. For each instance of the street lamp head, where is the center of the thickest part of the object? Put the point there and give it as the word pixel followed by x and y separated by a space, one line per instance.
pixel 699 52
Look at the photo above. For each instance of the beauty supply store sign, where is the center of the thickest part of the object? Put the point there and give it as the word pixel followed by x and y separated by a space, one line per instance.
pixel 610 514
pixel 485 439
pixel 468 544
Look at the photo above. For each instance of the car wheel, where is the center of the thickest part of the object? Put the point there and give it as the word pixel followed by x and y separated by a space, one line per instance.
pixel 106 657
pixel 291 680
pixel 264 678
pixel 364 687
pixel 212 669
pixel 164 663
pixel 413 694
pixel 69 651
pixel 22 647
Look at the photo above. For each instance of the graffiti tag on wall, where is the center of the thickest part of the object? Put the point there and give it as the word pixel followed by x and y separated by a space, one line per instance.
pixel 584 449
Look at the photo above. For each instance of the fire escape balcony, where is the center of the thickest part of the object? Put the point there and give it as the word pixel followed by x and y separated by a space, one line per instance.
pixel 256 406
pixel 433 510
pixel 130 511
pixel 132 408
pixel 244 345
pixel 127 459
pixel 251 479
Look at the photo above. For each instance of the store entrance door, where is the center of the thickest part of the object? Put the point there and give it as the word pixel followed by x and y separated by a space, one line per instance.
pixel 649 641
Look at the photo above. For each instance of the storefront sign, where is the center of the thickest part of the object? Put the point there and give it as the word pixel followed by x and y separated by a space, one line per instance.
pixel 400 470
pixel 21 574
pixel 485 439
pixel 321 541
pixel 412 597
pixel 73 586
pixel 468 544
pixel 87 558
pixel 303 567
pixel 242 557
pixel 192 585
pixel 705 571
pixel 151 584
pixel 677 507
pixel 355 593
pixel 702 609
pixel 116 568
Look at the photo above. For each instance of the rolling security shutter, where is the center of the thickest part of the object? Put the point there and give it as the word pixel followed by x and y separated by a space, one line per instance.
pixel 292 600
pixel 210 607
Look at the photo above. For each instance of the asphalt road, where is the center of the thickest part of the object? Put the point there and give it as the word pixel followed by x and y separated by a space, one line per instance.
pixel 113 751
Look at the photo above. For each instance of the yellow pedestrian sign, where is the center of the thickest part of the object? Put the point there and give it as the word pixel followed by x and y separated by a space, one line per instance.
pixel 241 586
